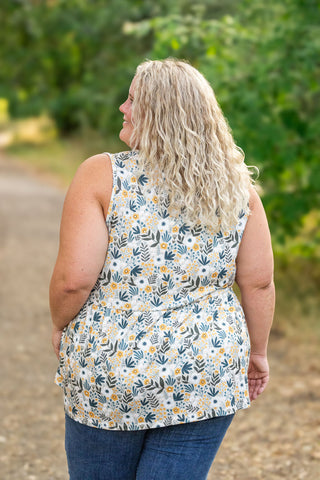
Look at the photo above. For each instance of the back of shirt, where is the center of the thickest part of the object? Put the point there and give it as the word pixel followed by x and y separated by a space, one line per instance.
pixel 162 338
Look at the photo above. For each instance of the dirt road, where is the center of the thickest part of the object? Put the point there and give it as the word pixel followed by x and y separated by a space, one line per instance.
pixel 278 438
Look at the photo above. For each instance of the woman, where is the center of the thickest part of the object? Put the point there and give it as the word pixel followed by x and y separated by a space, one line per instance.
pixel 155 353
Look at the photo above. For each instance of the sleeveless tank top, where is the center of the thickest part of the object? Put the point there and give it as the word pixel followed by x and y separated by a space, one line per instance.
pixel 162 338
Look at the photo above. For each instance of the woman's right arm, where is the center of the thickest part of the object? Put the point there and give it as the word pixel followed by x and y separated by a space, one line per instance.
pixel 255 280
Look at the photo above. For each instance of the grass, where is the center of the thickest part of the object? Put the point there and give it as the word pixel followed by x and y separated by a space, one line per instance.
pixel 297 276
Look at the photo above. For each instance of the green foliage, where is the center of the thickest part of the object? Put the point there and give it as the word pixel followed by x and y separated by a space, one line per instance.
pixel 74 59
pixel 264 66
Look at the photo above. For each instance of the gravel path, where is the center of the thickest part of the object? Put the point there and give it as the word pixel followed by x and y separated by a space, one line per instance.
pixel 278 438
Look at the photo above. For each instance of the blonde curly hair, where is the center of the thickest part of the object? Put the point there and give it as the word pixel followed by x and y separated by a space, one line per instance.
pixel 179 130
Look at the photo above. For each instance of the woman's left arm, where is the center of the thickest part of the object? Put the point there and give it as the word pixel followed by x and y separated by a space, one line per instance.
pixel 83 241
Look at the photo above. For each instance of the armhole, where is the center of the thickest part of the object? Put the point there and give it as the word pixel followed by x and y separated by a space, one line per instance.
pixel 110 208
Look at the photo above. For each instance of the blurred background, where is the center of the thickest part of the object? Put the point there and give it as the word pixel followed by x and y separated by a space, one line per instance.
pixel 66 66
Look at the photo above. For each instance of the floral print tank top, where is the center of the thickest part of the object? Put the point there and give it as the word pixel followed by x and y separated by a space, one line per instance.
pixel 162 338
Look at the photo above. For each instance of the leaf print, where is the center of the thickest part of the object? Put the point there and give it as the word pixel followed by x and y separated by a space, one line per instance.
pixel 127 397
pixel 178 397
pixel 152 279
pixel 129 362
pixel 186 368
pixel 162 290
pixel 156 302
pixel 119 185
pixel 123 296
pixel 132 206
pixel 150 417
pixel 125 408
pixel 184 229
pixel 216 343
pixel 145 253
pixel 196 230
pixel 162 360
pixel 222 273
pixel 111 381
pixel 138 354
pixel 199 365
pixel 143 179
pixel 213 392
pixel 204 260
pixel 228 254
pixel 123 323
pixel 100 379
pixel 136 271
pixel 133 291
pixel 208 247
pixel 152 399
pixel 169 255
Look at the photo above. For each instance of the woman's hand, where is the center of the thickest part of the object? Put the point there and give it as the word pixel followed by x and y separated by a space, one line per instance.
pixel 56 339
pixel 258 374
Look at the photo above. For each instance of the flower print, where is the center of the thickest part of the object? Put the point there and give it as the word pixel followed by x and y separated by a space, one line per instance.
pixel 175 229
pixel 202 382
pixel 91 414
pixel 114 397
pixel 163 269
pixel 152 349
pixel 196 246
pixel 124 193
pixel 135 216
pixel 114 285
pixel 140 419
pixel 177 371
pixel 176 410
pixel 119 354
pixel 148 289
pixel 127 306
pixel 135 371
pixel 126 271
pixel 144 230
pixel 133 179
pixel 169 389
pixel 162 326
pixel 155 199
pixel 231 309
pixel 87 393
pixel 164 245
pixel 204 335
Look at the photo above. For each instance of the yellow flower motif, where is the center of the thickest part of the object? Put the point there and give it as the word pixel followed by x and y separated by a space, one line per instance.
pixel 87 394
pixel 94 307
pixel 196 246
pixel 246 393
pixel 214 275
pixel 114 397
pixel 124 193
pixel 126 271
pixel 120 354
pixel 231 309
pixel 111 374
pixel 162 326
pixel 114 285
pixel 176 410
pixel 163 268
pixel 152 349
pixel 199 414
pixel 201 289
pixel 132 337
pixel 184 278
pixel 92 379
pixel 148 289
pixel 169 389
pixel 231 329
pixel 91 414
pixel 144 230
pixel 204 335
pixel 202 381
pixel 140 419
pixel 199 357
pixel 133 179
pixel 175 229
pixel 163 245
pixel 103 303
pixel 135 371
pixel 227 403
pixel 135 216
pixel 243 371
pixel 177 371
pixel 221 350
pixel 209 318
pixel 155 199
pixel 127 306
pixel 146 381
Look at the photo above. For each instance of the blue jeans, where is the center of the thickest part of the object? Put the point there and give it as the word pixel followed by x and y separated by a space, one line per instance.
pixel 179 452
